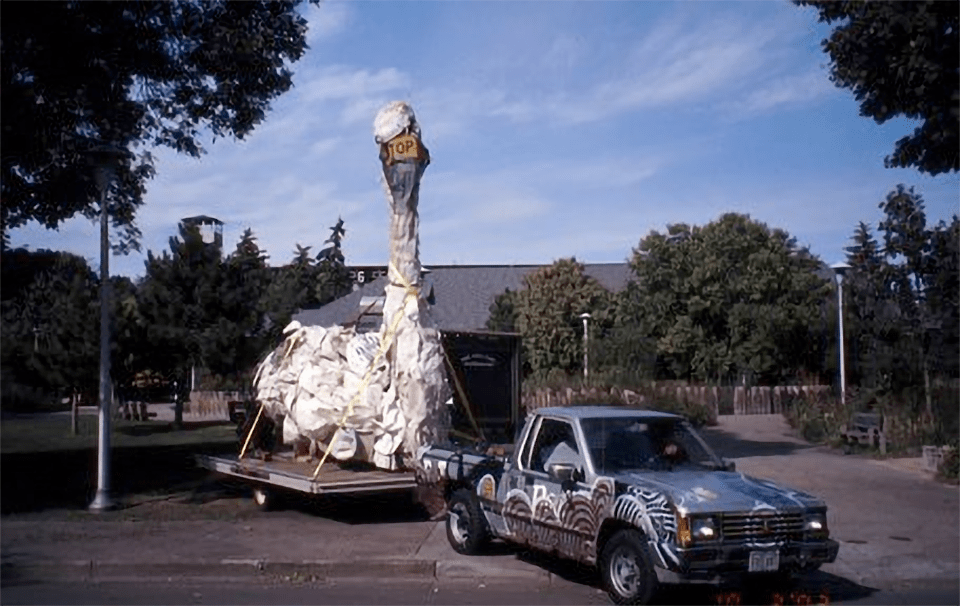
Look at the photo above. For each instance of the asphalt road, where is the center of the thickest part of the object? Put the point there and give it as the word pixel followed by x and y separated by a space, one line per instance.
pixel 380 591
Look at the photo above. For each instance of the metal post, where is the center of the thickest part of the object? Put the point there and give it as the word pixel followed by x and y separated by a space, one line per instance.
pixel 843 372
pixel 840 269
pixel 102 500
pixel 105 158
pixel 586 346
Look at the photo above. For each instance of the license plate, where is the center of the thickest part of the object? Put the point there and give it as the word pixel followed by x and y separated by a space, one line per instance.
pixel 764 561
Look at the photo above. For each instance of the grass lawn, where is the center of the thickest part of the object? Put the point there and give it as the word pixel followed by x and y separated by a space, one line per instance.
pixel 48 433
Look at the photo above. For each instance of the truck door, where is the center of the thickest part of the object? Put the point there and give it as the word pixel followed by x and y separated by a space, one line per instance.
pixel 533 509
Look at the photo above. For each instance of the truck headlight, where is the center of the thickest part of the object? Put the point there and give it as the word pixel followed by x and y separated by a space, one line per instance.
pixel 696 530
pixel 815 525
pixel 703 529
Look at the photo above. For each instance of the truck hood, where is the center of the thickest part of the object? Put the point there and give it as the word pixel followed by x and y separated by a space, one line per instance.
pixel 703 491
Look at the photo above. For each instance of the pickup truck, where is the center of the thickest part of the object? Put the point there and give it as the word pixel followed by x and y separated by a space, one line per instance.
pixel 636 493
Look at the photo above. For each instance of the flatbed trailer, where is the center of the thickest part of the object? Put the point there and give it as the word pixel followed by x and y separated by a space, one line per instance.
pixel 287 473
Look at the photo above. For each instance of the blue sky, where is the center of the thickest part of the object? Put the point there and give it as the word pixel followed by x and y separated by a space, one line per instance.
pixel 556 129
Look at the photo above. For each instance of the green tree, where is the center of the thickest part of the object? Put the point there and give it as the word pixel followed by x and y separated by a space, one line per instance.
pixel 921 275
pixel 330 275
pixel 870 313
pixel 130 345
pixel 135 75
pixel 179 303
pixel 241 332
pixel 901 59
pixel 503 312
pixel 307 281
pixel 943 297
pixel 731 299
pixel 49 343
pixel 548 312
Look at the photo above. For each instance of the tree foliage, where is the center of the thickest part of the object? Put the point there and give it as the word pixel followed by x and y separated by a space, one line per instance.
pixel 193 308
pixel 224 314
pixel 179 301
pixel 904 301
pixel 50 324
pixel 901 59
pixel 870 314
pixel 730 299
pixel 503 312
pixel 134 75
pixel 548 312
pixel 308 281
pixel 919 273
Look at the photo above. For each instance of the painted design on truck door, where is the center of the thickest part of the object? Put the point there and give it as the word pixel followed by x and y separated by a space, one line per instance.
pixel 567 523
pixel 539 511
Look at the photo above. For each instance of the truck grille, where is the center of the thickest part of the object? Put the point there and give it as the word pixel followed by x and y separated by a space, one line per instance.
pixel 762 526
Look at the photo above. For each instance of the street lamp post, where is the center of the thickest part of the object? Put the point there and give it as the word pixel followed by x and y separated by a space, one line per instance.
pixel 839 270
pixel 586 346
pixel 104 159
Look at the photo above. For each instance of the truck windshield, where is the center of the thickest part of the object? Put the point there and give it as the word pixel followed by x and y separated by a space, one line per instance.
pixel 627 444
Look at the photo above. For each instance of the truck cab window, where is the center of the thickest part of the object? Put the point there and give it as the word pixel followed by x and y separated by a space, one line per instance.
pixel 555 443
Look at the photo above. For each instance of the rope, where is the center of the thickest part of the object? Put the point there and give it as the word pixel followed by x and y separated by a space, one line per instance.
pixel 250 434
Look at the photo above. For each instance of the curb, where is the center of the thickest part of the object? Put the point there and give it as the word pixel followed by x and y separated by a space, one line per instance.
pixel 240 568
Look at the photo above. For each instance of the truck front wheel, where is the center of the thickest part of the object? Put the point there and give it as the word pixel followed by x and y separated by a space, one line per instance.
pixel 466 526
pixel 627 571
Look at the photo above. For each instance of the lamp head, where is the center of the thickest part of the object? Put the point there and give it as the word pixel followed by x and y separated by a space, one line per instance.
pixel 840 268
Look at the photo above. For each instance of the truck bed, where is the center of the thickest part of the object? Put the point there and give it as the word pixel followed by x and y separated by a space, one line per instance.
pixel 286 472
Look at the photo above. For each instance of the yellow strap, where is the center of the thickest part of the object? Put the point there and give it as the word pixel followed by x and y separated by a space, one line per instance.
pixel 250 434
pixel 384 345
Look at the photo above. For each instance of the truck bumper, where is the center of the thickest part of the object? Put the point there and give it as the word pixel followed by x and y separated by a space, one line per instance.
pixel 715 563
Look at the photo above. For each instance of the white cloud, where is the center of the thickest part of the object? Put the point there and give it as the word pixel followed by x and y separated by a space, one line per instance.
pixel 786 91
pixel 343 82
pixel 327 20
pixel 565 52
pixel 323 147
pixel 679 62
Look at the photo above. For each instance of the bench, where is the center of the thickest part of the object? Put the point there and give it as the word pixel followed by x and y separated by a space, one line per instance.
pixel 865 428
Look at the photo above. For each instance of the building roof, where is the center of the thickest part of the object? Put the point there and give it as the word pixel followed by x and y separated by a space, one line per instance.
pixel 461 295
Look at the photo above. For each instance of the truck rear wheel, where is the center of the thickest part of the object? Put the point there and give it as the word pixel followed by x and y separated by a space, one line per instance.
pixel 466 526
pixel 627 571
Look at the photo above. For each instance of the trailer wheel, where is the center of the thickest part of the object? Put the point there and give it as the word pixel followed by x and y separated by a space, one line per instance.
pixel 627 571
pixel 466 526
pixel 263 498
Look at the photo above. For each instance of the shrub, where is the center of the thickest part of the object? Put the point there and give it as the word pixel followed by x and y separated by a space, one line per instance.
pixel 949 468
pixel 17 397
pixel 818 417
pixel 605 389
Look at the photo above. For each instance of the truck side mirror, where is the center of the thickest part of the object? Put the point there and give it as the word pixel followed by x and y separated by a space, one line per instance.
pixel 562 472
pixel 728 465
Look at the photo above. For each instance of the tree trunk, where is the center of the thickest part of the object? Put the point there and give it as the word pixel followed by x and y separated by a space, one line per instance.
pixel 177 407
pixel 74 411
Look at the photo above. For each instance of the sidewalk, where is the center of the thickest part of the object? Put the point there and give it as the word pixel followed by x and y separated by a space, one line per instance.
pixel 272 544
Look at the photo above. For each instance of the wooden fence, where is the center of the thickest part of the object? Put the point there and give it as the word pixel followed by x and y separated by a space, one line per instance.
pixel 724 400
pixel 211 403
